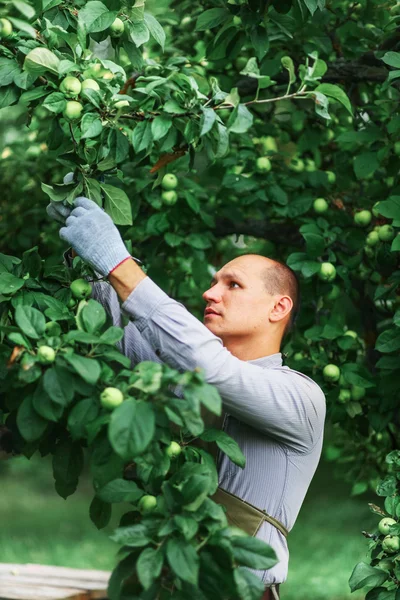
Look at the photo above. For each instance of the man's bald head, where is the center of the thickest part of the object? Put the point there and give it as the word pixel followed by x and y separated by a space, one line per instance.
pixel 277 277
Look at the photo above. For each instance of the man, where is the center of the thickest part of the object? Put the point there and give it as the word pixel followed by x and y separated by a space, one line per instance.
pixel 275 414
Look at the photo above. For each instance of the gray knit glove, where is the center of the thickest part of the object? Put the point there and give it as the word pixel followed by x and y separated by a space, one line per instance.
pixel 94 237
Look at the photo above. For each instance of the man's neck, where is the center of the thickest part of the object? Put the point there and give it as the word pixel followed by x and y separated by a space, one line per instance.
pixel 245 351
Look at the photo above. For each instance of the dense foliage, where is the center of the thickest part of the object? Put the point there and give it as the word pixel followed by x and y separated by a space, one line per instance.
pixel 280 122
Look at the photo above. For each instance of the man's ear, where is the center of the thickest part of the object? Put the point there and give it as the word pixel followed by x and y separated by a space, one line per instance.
pixel 282 307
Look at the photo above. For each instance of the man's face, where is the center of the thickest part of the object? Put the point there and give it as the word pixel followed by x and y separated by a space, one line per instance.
pixel 238 295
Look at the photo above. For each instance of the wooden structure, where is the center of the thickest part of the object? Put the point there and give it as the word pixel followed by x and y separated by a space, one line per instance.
pixel 42 582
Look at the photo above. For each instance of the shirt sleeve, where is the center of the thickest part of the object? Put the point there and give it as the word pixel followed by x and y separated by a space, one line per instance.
pixel 279 402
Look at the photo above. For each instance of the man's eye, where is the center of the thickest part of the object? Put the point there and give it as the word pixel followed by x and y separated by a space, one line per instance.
pixel 234 282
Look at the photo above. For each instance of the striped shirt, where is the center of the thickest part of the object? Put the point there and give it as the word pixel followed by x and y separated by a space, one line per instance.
pixel 274 413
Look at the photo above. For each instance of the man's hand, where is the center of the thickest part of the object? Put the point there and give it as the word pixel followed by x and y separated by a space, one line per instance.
pixel 93 235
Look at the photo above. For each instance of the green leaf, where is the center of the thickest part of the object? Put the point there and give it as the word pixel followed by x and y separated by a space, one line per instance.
pixel 207 121
pixel 334 91
pixel 82 413
pixel 208 395
pixel 390 208
pixel 93 316
pixel 112 335
pixel 67 466
pixel 183 560
pixel 57 384
pixel 363 574
pixel 87 368
pixel 395 247
pixel 160 127
pixel 260 41
pixel 142 136
pixel 155 29
pixel 392 59
pixel 9 284
pixel 312 5
pixel 23 26
pixel 132 427
pixel 9 69
pixel 8 96
pixel 212 18
pixel 287 63
pixel 148 566
pixel 365 164
pixel 139 33
pixel 91 125
pixel 254 553
pixel 388 341
pixel 198 240
pixel 119 490
pixel 100 513
pixel 31 426
pixel 96 16
pixel 25 9
pixel 226 444
pixel 55 103
pixel 248 585
pixel 40 60
pixel 30 321
pixel 133 535
pixel 241 120
pixel 117 204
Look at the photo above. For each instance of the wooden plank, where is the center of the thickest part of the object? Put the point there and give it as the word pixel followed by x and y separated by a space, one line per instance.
pixel 46 582
pixel 22 592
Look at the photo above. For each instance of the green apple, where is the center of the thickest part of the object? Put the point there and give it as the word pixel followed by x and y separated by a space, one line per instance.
pixel 147 504
pixel 173 450
pixel 363 218
pixel 186 23
pixel 386 564
pixel 351 333
pixel 310 166
pixel 237 21
pixel 372 238
pixel 169 197
pixel 384 525
pixel 357 393
pixel 298 356
pixel 90 84
pixel 344 396
pixel 269 143
pixel 71 303
pixel 331 176
pixel 52 329
pixel 327 272
pixel 320 206
pixel 386 233
pixel 329 135
pixel 396 148
pixel 241 62
pixel 73 110
pixel 391 544
pixel 117 28
pixel 71 87
pixel 6 29
pixel 169 182
pixel 111 397
pixel 331 373
pixel 80 289
pixel 333 294
pixel 263 164
pixel 297 165
pixel 46 355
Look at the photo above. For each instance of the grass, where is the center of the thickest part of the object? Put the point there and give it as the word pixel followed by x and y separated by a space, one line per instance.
pixel 40 527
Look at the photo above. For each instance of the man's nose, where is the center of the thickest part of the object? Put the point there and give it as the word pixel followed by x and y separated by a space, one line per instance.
pixel 212 294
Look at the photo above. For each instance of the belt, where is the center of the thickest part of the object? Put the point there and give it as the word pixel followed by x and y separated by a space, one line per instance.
pixel 244 515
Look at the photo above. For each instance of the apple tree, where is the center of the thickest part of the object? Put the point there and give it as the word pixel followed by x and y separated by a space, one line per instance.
pixel 206 130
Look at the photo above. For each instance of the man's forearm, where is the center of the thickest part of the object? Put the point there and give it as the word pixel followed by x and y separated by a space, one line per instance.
pixel 125 278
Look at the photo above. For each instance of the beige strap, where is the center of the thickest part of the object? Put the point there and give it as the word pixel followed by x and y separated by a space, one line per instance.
pixel 245 515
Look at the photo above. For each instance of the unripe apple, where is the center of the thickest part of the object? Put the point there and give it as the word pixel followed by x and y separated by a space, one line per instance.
pixel 320 206
pixel 169 197
pixel 310 166
pixel 386 233
pixel 331 176
pixel 241 62
pixel 186 23
pixel 331 373
pixel 117 28
pixel 344 396
pixel 237 21
pixel 71 87
pixel 386 564
pixel 363 218
pixel 298 356
pixel 357 393
pixel 6 29
pixel 372 238
pixel 173 450
pixel 269 143
pixel 80 289
pixel 384 525
pixel 73 110
pixel 147 504
pixel 396 148
pixel 391 544
pixel 52 329
pixel 111 397
pixel 263 164
pixel 90 84
pixel 169 182
pixel 46 355
pixel 327 272
pixel 351 333
pixel 297 165
pixel 329 135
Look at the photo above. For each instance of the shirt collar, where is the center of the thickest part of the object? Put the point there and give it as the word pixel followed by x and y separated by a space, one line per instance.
pixel 273 360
